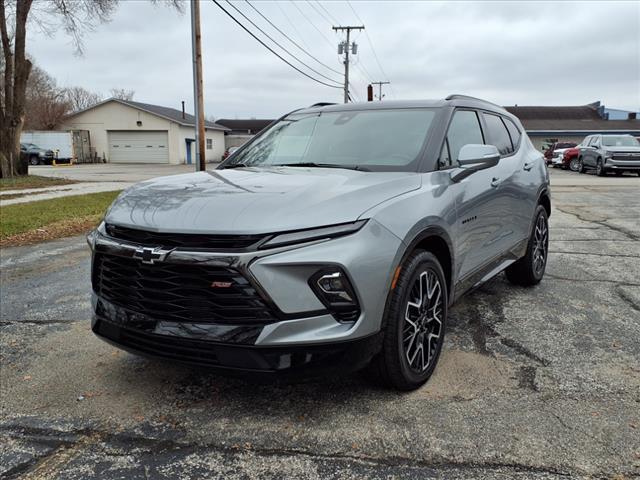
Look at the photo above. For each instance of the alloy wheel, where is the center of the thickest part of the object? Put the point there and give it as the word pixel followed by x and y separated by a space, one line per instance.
pixel 422 327
pixel 574 165
pixel 540 245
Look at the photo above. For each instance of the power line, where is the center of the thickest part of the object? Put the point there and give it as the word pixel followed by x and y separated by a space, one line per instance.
pixel 375 55
pixel 333 19
pixel 291 40
pixel 313 24
pixel 274 41
pixel 320 13
pixel 271 50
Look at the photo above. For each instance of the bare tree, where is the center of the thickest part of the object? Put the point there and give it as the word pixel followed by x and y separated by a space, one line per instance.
pixel 122 94
pixel 76 17
pixel 46 105
pixel 80 98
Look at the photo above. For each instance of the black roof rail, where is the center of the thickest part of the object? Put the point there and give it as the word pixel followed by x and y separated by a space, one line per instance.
pixel 322 104
pixel 456 96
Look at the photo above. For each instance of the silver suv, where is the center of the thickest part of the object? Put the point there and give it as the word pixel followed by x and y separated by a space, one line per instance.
pixel 335 240
pixel 609 153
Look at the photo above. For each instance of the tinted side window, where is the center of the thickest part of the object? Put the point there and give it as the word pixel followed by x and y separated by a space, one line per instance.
pixel 514 133
pixel 498 134
pixel 464 129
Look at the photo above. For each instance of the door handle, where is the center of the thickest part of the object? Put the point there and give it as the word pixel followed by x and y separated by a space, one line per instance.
pixel 495 182
pixel 527 166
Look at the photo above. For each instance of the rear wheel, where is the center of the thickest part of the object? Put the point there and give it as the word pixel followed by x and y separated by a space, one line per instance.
pixel 34 160
pixel 529 270
pixel 600 171
pixel 415 325
pixel 580 166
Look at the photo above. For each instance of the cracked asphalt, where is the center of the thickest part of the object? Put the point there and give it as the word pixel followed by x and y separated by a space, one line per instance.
pixel 532 383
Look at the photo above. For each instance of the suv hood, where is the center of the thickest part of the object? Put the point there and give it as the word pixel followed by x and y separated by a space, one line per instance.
pixel 256 200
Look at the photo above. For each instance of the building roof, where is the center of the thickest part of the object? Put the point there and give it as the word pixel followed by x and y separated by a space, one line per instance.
pixel 168 113
pixel 251 125
pixel 578 119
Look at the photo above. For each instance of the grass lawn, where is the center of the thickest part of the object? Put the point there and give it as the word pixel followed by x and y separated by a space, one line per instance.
pixel 31 181
pixel 33 222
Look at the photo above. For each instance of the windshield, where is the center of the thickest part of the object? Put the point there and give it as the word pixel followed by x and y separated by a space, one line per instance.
pixel 381 140
pixel 620 141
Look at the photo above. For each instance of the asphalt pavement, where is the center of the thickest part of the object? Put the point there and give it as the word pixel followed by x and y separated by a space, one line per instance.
pixel 539 382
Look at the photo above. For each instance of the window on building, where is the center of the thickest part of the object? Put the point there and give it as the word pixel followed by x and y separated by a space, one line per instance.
pixel 498 134
pixel 463 130
pixel 209 144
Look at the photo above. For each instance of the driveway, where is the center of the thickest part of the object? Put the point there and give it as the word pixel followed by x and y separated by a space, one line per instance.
pixel 532 383
pixel 113 172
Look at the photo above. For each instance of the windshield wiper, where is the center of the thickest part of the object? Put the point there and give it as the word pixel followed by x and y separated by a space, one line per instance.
pixel 322 165
pixel 235 165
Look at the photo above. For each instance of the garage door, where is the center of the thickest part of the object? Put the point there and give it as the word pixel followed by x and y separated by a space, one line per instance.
pixel 138 147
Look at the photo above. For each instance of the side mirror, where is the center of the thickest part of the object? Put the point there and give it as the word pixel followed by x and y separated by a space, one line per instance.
pixel 475 157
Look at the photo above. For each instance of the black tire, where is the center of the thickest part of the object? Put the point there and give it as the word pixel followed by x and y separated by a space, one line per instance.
pixel 399 364
pixel 573 165
pixel 529 270
pixel 600 170
pixel 580 166
pixel 34 160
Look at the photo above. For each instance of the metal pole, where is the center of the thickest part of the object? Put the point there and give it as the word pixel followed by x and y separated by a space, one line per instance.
pixel 346 57
pixel 198 101
pixel 380 88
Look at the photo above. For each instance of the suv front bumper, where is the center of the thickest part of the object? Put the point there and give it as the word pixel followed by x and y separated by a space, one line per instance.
pixel 304 336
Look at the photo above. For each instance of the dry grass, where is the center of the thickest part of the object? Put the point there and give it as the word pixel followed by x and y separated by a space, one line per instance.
pixel 33 222
pixel 32 181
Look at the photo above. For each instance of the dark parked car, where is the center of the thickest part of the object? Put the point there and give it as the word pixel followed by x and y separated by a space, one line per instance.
pixel 335 239
pixel 609 153
pixel 36 155
pixel 555 151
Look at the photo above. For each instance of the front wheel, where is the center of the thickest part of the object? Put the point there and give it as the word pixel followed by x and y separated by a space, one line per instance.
pixel 415 324
pixel 34 160
pixel 580 166
pixel 600 171
pixel 529 270
pixel 573 166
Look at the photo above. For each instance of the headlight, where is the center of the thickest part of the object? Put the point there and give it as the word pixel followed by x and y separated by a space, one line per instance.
pixel 308 235
pixel 334 290
pixel 93 234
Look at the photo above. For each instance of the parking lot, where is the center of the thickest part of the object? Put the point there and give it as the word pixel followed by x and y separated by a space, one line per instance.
pixel 532 383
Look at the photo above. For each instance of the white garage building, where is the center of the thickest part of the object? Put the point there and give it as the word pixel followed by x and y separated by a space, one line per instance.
pixel 123 131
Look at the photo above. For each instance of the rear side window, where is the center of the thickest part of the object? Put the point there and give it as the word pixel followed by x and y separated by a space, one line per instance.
pixel 498 134
pixel 463 129
pixel 514 133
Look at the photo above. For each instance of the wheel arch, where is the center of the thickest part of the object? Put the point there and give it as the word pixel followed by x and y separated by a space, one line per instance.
pixel 437 241
pixel 544 199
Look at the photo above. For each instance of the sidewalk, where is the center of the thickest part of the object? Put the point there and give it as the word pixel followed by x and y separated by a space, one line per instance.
pixel 46 193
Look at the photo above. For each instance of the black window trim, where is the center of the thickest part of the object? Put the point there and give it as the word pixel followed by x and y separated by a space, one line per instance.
pixel 446 134
pixel 516 147
pixel 489 112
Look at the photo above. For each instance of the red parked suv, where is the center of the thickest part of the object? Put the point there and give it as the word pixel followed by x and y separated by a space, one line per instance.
pixel 553 154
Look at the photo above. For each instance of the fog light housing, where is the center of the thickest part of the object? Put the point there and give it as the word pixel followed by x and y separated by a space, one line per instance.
pixel 333 288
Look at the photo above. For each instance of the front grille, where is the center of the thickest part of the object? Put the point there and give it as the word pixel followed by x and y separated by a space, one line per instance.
pixel 179 293
pixel 183 240
pixel 626 156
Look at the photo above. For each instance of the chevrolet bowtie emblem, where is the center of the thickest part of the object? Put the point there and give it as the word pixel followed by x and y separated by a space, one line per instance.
pixel 151 255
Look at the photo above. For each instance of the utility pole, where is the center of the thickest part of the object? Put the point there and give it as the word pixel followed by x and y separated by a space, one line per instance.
pixel 380 95
pixel 346 47
pixel 198 102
